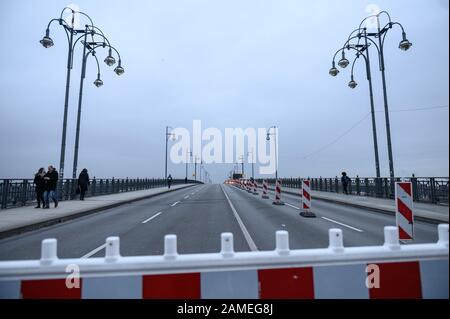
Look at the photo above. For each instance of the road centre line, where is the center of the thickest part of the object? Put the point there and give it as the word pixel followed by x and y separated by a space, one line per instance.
pixel 342 224
pixel 93 252
pixel 292 206
pixel 149 219
pixel 248 238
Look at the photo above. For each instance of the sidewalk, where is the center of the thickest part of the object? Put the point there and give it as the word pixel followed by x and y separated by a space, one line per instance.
pixel 422 211
pixel 21 219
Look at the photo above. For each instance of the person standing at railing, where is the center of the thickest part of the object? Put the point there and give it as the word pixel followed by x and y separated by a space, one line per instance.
pixel 169 180
pixel 83 182
pixel 50 182
pixel 345 181
pixel 39 188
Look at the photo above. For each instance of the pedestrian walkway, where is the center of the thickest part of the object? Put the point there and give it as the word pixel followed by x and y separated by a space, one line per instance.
pixel 422 211
pixel 16 220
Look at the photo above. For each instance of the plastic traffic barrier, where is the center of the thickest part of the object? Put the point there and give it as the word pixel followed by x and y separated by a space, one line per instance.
pixel 391 270
pixel 265 189
pixel 277 200
pixel 404 211
pixel 306 200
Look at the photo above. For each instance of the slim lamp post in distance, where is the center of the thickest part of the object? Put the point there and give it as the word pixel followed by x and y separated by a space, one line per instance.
pixel 274 134
pixel 168 135
pixel 253 162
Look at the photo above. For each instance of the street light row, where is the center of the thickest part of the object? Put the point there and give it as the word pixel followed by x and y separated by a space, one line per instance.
pixel 189 155
pixel 94 33
pixel 362 50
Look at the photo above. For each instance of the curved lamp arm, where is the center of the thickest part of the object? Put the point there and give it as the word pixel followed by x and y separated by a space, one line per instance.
pixel 73 12
pixel 389 26
pixel 377 16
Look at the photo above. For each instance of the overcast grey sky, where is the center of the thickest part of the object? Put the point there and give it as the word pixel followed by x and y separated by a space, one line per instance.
pixel 232 63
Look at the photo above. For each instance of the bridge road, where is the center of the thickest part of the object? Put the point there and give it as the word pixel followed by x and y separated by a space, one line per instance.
pixel 198 215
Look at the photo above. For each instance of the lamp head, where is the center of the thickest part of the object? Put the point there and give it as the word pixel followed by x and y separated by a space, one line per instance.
pixel 46 41
pixel 343 62
pixel 352 84
pixel 404 45
pixel 333 71
pixel 98 82
pixel 109 60
pixel 119 69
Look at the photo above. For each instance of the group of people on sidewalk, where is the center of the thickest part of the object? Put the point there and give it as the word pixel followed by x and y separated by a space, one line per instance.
pixel 46 184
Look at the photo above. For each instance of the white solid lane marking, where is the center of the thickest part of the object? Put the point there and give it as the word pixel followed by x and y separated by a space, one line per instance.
pixel 175 203
pixel 247 236
pixel 292 206
pixel 149 219
pixel 186 197
pixel 93 252
pixel 342 224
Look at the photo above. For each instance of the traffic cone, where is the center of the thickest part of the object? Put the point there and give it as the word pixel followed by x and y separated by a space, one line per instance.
pixel 278 194
pixel 306 200
pixel 265 189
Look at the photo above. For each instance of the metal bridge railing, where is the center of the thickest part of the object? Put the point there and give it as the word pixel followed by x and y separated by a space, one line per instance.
pixel 433 190
pixel 21 192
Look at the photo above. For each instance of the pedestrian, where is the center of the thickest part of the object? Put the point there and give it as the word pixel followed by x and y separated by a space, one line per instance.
pixel 83 182
pixel 169 180
pixel 50 182
pixel 345 181
pixel 185 180
pixel 39 187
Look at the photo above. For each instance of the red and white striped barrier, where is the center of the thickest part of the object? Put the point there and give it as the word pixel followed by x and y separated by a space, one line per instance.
pixel 249 186
pixel 306 200
pixel 265 194
pixel 255 187
pixel 388 271
pixel 277 200
pixel 404 210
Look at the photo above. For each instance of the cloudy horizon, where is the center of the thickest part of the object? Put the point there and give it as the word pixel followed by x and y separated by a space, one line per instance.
pixel 230 64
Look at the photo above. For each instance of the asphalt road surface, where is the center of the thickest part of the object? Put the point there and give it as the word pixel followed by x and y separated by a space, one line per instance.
pixel 198 215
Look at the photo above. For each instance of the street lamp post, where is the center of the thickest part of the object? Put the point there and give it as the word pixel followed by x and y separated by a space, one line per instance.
pixel 187 161
pixel 274 134
pixel 253 162
pixel 404 45
pixel 242 164
pixel 362 50
pixel 168 135
pixel 109 60
pixel 47 42
pixel 195 167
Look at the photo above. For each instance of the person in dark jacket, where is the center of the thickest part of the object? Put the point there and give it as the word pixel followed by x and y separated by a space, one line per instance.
pixel 169 180
pixel 345 181
pixel 83 182
pixel 39 187
pixel 50 182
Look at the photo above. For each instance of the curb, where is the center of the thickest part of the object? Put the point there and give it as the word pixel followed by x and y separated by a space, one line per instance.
pixel 375 209
pixel 58 220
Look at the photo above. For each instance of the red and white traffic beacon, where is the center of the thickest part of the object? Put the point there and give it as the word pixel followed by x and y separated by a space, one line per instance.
pixel 306 200
pixel 404 210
